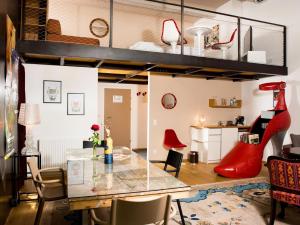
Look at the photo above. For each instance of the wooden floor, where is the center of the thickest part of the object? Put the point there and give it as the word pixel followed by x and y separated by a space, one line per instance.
pixel 190 174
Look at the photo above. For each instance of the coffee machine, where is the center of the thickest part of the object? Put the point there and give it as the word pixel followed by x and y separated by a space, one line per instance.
pixel 239 120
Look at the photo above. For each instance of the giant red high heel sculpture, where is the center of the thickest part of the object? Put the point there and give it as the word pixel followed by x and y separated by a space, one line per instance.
pixel 245 160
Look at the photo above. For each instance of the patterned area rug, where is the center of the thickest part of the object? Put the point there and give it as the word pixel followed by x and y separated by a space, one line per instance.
pixel 243 202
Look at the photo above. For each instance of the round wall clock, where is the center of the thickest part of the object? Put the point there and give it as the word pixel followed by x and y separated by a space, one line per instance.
pixel 99 27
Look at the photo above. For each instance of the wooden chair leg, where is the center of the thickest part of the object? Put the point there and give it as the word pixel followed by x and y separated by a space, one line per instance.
pixel 273 211
pixel 39 212
pixel 281 215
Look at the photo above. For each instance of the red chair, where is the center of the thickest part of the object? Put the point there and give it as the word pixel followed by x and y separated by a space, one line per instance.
pixel 224 46
pixel 171 140
pixel 285 187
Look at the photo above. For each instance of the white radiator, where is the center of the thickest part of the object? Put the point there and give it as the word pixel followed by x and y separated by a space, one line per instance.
pixel 53 152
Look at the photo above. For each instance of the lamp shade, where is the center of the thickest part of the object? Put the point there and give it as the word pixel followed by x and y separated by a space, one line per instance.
pixel 29 114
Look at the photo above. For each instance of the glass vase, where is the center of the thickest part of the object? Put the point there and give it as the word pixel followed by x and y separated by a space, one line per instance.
pixel 94 157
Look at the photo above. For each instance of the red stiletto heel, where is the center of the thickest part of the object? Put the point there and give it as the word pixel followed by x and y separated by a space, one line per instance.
pixel 245 160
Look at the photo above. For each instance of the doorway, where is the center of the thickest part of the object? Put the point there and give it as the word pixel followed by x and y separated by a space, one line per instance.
pixel 117 115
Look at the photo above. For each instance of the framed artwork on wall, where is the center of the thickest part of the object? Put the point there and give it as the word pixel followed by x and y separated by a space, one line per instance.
pixel 75 104
pixel 52 91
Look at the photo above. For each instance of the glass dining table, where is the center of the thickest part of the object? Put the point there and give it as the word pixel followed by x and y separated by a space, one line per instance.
pixel 93 184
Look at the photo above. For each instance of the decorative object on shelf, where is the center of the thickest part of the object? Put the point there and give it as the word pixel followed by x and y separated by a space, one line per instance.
pixel 223 101
pixel 95 139
pixel 213 104
pixel 99 27
pixel 170 34
pixel 52 91
pixel 232 101
pixel 224 46
pixel 245 160
pixel 75 104
pixel 144 93
pixel 138 93
pixel 168 101
pixel 29 116
pixel 108 152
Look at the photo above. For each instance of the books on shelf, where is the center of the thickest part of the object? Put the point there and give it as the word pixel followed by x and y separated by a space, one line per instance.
pixel 264 125
pixel 250 138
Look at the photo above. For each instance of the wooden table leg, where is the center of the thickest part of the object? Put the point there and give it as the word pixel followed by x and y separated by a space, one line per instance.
pixel 84 217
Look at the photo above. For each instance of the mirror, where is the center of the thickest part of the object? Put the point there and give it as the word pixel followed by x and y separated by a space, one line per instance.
pixel 169 101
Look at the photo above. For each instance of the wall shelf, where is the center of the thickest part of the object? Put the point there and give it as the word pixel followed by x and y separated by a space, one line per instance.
pixel 212 103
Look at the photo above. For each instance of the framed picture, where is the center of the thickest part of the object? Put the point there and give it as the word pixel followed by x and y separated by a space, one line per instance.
pixel 75 104
pixel 52 91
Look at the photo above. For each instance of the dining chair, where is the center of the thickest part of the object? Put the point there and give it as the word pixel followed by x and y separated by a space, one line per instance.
pixel 174 160
pixel 285 188
pixel 123 212
pixel 48 190
pixel 171 140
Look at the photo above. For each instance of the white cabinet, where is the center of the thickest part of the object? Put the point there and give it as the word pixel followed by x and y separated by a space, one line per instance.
pixel 229 139
pixel 213 144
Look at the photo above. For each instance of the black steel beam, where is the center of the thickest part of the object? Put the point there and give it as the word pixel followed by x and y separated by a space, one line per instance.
pixel 99 63
pixel 120 76
pixel 125 82
pixel 115 54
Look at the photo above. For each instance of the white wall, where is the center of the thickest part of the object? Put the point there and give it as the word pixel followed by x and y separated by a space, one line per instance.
pixel 192 102
pixel 138 111
pixel 55 123
pixel 286 13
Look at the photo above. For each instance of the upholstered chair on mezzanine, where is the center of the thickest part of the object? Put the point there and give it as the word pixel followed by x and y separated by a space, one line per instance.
pixel 48 190
pixel 285 186
pixel 123 212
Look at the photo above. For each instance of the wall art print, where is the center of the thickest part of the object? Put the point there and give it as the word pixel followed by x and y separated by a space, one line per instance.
pixel 52 91
pixel 76 104
pixel 212 38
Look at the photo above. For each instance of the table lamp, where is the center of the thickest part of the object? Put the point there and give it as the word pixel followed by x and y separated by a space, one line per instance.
pixel 29 116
